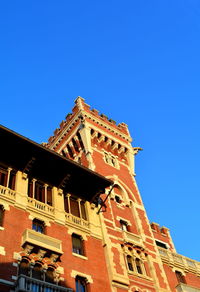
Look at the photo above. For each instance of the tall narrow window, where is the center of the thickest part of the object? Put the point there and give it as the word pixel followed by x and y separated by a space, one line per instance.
pixel 77 244
pixel 138 266
pixel 11 183
pixel 49 196
pixel 24 268
pixel 3 177
pixel 39 192
pixel 1 215
pixel 37 272
pixel 130 263
pixel 124 225
pixel 38 226
pixel 74 207
pixel 49 275
pixel 180 277
pixel 81 284
pixel 83 213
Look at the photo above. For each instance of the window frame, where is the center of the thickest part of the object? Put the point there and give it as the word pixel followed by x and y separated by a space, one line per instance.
pixel 36 224
pixel 81 284
pixel 76 248
pixel 81 206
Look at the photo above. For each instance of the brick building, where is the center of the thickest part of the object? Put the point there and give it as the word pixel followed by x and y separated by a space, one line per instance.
pixel 72 218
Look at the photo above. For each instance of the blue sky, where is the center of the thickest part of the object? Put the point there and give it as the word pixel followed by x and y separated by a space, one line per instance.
pixel 138 62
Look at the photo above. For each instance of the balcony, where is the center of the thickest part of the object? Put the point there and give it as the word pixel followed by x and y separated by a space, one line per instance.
pixel 7 193
pixel 76 221
pixel 41 207
pixel 42 240
pixel 27 284
pixel 185 288
pixel 178 260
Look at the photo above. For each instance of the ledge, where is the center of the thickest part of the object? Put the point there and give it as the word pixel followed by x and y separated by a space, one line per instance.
pixel 42 240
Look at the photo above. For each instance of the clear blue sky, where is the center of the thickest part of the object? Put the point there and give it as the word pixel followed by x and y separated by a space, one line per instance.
pixel 136 61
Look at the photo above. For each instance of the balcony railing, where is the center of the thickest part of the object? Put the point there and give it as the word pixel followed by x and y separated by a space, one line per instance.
pixel 50 243
pixel 40 206
pixel 7 193
pixel 76 220
pixel 27 284
pixel 178 260
pixel 185 288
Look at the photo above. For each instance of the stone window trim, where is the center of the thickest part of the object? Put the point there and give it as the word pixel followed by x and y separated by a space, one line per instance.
pixel 162 243
pixel 88 278
pixel 110 159
pixel 135 265
pixel 78 246
pixel 83 257
pixel 124 220
pixel 175 269
pixel 38 225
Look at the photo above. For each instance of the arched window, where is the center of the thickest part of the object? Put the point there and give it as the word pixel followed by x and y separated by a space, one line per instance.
pixel 135 265
pixel 1 215
pixel 138 265
pixel 38 226
pixel 49 275
pixel 37 272
pixel 24 267
pixel 81 285
pixel 130 263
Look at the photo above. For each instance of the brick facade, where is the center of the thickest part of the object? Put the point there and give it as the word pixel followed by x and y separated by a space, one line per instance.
pixel 99 243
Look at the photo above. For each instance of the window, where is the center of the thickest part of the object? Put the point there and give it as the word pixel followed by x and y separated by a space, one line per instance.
pixel 117 199
pixel 135 265
pixel 77 244
pixel 138 265
pixel 75 206
pixel 3 177
pixel 124 225
pixel 38 226
pixel 39 276
pixel 7 177
pixel 110 159
pixel 24 267
pixel 40 191
pixel 1 215
pixel 37 272
pixel 81 284
pixel 49 275
pixel 129 262
pixel 161 244
pixel 180 277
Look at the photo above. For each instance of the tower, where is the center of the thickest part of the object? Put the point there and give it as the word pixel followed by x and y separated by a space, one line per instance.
pixel 91 139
